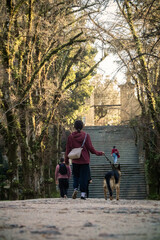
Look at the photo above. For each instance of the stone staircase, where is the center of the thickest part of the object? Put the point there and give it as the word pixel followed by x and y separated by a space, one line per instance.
pixel 133 184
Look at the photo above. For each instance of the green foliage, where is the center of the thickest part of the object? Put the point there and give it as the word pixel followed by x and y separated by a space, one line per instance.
pixel 152 166
pixel 73 100
pixel 15 184
pixel 49 181
pixel 154 197
pixel 28 193
pixel 10 173
pixel 55 194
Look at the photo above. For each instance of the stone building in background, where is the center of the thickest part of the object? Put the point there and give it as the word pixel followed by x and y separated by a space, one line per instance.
pixel 130 107
pixel 112 106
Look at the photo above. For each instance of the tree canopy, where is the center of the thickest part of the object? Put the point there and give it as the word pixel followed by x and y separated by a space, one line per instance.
pixel 47 59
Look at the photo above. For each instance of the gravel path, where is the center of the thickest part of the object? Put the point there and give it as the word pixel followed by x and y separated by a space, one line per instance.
pixel 68 219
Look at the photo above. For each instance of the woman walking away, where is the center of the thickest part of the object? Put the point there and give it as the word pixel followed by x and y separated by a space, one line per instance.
pixel 80 166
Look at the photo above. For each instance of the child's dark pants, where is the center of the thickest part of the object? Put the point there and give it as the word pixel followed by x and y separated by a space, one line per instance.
pixel 63 186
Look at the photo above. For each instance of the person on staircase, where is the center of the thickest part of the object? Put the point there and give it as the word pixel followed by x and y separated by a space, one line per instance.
pixel 80 167
pixel 115 154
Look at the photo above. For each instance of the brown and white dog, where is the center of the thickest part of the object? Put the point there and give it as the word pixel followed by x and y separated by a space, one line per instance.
pixel 112 181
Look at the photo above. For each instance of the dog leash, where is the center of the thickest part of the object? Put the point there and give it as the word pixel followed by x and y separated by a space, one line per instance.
pixel 112 165
pixel 108 159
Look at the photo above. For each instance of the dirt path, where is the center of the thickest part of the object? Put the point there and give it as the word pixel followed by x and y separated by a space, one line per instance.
pixel 93 219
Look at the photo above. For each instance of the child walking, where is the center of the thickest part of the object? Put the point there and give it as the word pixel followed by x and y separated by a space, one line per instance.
pixel 62 176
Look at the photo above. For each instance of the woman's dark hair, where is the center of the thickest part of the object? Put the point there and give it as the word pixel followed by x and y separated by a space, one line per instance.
pixel 62 160
pixel 78 125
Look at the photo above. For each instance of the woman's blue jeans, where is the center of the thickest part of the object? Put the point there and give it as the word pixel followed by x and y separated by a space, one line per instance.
pixel 114 158
pixel 80 176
